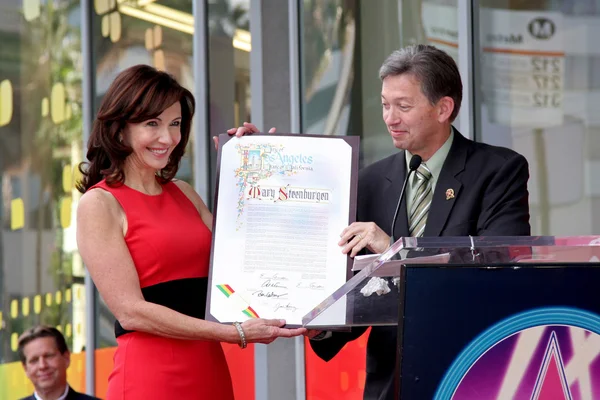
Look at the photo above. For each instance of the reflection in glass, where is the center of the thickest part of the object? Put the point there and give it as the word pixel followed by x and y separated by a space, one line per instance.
pixel 386 26
pixel 41 275
pixel 540 89
pixel 229 46
pixel 329 35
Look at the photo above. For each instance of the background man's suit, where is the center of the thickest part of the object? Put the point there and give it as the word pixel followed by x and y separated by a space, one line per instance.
pixel 490 199
pixel 71 395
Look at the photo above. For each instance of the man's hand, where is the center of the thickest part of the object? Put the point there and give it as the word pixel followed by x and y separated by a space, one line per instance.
pixel 311 333
pixel 363 234
pixel 245 129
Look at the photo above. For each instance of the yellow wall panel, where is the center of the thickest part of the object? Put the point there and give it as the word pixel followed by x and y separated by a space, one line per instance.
pixel 14 341
pixel 67 178
pixel 48 299
pixel 58 297
pixel 31 9
pixel 159 60
pixel 37 304
pixel 101 6
pixel 68 295
pixel 6 102
pixel 25 306
pixel 65 212
pixel 157 36
pixel 149 39
pixel 13 382
pixel 57 103
pixel 115 27
pixel 105 26
pixel 14 309
pixel 45 107
pixel 17 214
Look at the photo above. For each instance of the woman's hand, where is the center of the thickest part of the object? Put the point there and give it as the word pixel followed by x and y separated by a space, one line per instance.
pixel 245 129
pixel 267 330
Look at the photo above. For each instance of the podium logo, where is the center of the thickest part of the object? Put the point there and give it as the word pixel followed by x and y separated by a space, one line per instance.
pixel 542 354
pixel 541 28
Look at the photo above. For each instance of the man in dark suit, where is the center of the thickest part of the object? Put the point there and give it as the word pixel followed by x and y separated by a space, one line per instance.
pixel 45 357
pixel 464 188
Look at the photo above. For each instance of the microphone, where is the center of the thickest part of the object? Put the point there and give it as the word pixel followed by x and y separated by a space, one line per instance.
pixel 414 163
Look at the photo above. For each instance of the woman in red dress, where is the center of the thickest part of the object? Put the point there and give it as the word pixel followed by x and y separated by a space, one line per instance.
pixel 145 238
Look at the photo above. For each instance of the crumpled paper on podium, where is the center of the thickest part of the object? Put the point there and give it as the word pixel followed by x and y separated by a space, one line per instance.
pixel 375 285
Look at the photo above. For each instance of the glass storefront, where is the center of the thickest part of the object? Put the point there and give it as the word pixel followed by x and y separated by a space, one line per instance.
pixel 540 84
pixel 386 26
pixel 344 43
pixel 41 273
pixel 229 47
pixel 329 35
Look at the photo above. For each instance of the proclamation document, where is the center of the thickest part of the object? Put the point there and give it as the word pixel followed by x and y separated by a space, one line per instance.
pixel 282 202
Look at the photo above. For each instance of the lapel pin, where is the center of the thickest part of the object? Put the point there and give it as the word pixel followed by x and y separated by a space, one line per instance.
pixel 449 194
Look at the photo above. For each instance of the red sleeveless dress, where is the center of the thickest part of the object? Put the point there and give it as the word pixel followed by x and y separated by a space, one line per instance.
pixel 170 246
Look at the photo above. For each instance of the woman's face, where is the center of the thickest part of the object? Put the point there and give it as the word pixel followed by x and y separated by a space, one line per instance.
pixel 153 140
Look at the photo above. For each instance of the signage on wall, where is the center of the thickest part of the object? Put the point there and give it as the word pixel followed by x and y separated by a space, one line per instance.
pixel 522 64
pixel 522 67
pixel 440 23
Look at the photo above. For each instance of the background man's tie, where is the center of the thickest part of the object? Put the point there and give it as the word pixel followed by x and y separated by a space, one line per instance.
pixel 421 202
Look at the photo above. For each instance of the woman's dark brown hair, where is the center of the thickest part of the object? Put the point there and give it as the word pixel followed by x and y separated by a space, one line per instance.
pixel 137 94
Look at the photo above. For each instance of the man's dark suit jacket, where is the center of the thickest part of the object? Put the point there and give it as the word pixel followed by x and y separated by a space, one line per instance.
pixel 490 199
pixel 71 395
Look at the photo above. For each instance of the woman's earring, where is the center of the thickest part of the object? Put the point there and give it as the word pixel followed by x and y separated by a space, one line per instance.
pixel 120 138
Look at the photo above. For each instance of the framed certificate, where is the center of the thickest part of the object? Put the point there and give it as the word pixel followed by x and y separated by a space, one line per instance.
pixel 282 201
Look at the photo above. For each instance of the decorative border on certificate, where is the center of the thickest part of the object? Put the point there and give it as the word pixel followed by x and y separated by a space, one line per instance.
pixel 236 302
pixel 281 203
pixel 260 161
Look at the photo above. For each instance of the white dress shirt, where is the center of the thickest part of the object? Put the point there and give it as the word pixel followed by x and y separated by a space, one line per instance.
pixel 63 397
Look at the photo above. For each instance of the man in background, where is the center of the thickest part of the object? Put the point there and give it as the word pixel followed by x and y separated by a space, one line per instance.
pixel 45 357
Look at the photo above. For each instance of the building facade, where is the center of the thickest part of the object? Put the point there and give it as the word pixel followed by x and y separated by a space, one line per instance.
pixel 531 75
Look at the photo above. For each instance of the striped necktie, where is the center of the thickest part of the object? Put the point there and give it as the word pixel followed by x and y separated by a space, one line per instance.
pixel 421 202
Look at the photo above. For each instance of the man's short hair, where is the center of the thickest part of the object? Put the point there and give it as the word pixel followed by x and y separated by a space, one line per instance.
pixel 41 331
pixel 434 69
